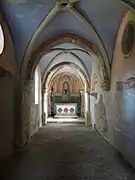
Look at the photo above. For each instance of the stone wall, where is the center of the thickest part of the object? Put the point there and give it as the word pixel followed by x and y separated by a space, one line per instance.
pixel 7 107
pixel 27 110
pixel 31 116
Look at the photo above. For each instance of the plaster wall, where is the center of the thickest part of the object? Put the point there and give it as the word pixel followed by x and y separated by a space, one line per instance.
pixel 74 82
pixel 115 110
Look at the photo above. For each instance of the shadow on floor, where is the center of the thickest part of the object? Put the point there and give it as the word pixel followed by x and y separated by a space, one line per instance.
pixel 66 152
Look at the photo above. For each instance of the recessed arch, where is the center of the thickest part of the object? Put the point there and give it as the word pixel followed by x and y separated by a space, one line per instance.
pixel 129 9
pixel 67 77
pixel 127 44
pixel 72 78
pixel 116 35
pixel 58 71
pixel 55 68
pixel 59 65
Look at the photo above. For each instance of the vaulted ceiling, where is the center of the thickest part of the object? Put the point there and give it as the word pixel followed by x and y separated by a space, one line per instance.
pixel 101 23
pixel 66 52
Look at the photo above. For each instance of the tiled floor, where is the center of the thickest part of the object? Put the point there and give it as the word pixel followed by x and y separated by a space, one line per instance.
pixel 67 152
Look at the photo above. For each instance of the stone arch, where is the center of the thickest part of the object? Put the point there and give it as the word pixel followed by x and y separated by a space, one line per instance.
pixel 57 66
pixel 75 82
pixel 82 42
pixel 70 8
pixel 129 5
pixel 79 62
pixel 57 79
pixel 72 79
pixel 59 75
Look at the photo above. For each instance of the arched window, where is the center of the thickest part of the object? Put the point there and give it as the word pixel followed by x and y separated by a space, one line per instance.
pixel 1 40
pixel 36 86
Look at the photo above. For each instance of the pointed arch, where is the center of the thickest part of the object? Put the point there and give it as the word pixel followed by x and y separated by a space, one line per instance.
pixel 46 47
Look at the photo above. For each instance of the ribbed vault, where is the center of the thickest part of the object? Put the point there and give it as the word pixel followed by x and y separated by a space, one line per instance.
pixel 45 19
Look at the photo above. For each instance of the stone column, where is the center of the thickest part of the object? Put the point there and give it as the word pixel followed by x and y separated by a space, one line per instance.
pixel 28 110
pixel 49 103
pixel 43 112
pixel 24 105
pixel 87 108
pixel 93 100
pixel 89 116
pixel 46 105
pixel 40 103
pixel 82 103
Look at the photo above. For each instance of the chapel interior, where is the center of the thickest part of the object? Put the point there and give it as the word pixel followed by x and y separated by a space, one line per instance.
pixel 67 89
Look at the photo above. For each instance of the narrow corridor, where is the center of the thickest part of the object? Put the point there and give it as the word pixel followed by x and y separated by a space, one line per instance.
pixel 70 152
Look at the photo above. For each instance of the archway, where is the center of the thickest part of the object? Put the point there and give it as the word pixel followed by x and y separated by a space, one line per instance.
pixel 87 47
pixel 67 72
pixel 83 46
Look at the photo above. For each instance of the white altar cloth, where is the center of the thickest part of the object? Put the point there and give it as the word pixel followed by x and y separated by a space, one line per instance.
pixel 66 110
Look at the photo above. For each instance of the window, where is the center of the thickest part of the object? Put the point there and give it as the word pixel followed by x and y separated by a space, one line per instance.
pixel 128 39
pixel 36 86
pixel 1 40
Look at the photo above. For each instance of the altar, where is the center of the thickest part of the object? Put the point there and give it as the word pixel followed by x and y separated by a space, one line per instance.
pixel 66 110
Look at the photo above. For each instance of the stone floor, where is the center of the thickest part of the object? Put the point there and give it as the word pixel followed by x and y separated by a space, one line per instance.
pixel 66 120
pixel 68 152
